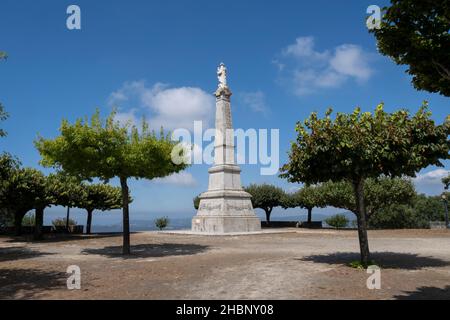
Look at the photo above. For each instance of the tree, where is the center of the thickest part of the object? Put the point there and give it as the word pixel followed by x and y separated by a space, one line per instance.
pixel 446 182
pixel 162 223
pixel 357 146
pixel 266 197
pixel 3 116
pixel 414 215
pixel 8 167
pixel 337 221
pixel 69 191
pixel 21 192
pixel 106 149
pixel 416 33
pixel 379 194
pixel 308 197
pixel 101 197
pixel 196 201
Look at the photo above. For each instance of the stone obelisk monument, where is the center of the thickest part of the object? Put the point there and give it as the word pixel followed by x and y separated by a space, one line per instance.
pixel 225 207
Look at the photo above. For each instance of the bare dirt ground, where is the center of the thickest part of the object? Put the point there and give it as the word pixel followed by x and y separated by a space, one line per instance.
pixel 298 264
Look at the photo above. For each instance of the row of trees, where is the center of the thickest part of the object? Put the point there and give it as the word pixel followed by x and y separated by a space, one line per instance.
pixel 25 189
pixel 85 150
pixel 390 202
pixel 380 193
pixel 352 148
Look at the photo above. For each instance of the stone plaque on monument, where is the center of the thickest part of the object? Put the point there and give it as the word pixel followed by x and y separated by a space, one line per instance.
pixel 225 207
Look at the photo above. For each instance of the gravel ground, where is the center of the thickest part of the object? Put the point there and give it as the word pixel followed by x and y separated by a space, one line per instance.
pixel 293 264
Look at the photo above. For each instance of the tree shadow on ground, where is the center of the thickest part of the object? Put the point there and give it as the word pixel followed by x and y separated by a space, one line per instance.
pixel 426 293
pixel 53 238
pixel 18 253
pixel 149 250
pixel 387 260
pixel 26 283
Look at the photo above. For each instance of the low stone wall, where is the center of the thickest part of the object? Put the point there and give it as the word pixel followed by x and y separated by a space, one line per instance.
pixel 45 230
pixel 292 224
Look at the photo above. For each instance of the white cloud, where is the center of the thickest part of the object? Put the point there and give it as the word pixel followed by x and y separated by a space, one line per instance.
pixel 431 182
pixel 161 105
pixel 181 179
pixel 308 70
pixel 256 101
pixel 350 60
pixel 432 177
pixel 304 48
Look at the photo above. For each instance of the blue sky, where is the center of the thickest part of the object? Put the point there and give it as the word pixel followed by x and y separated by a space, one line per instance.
pixel 285 59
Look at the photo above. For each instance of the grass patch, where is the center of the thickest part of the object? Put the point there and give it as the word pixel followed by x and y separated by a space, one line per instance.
pixel 359 265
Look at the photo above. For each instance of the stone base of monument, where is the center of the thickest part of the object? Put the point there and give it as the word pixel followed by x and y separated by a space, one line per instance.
pixel 225 224
pixel 225 211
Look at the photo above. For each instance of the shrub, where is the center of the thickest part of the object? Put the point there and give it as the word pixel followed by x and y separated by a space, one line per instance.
pixel 28 220
pixel 61 222
pixel 162 223
pixel 337 221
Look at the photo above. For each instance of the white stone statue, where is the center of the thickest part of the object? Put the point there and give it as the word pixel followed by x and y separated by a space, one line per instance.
pixel 222 76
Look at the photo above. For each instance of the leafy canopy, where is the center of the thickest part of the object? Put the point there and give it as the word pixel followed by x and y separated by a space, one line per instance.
pixel 308 197
pixel 101 197
pixel 337 221
pixel 379 194
pixel 446 181
pixel 417 34
pixel 265 196
pixel 3 116
pixel 105 149
pixel 365 145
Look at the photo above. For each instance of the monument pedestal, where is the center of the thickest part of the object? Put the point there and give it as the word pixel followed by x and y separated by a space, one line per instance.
pixel 225 207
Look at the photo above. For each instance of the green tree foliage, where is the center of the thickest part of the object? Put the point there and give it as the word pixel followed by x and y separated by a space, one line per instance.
pixel 3 116
pixel 337 221
pixel 196 201
pixel 29 220
pixel 69 190
pixel 162 223
pixel 416 215
pixel 105 149
pixel 308 197
pixel 446 182
pixel 379 193
pixel 357 146
pixel 8 168
pixel 265 197
pixel 101 197
pixel 27 190
pixel 62 222
pixel 416 33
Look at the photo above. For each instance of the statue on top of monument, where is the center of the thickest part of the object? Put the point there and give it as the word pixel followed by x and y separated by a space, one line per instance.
pixel 222 76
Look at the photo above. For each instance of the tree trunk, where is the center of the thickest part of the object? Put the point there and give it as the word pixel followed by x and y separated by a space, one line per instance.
pixel 89 221
pixel 268 212
pixel 39 221
pixel 18 217
pixel 358 187
pixel 126 216
pixel 67 219
pixel 309 216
